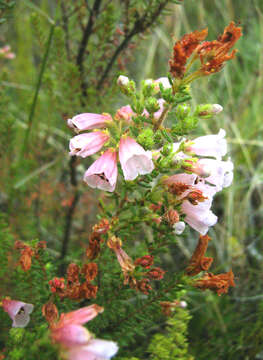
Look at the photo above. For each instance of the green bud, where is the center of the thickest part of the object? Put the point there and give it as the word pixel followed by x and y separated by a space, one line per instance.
pixel 182 111
pixel 148 88
pixel 167 149
pixel 158 137
pixel 151 105
pixel 206 111
pixel 146 139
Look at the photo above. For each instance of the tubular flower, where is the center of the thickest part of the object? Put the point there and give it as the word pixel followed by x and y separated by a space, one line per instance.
pixel 76 341
pixel 124 260
pixel 96 349
pixel 209 145
pixel 198 261
pixel 196 197
pixel 88 143
pixel 102 174
pixel 218 283
pixel 125 113
pixel 183 49
pixel 18 311
pixel 89 121
pixel 134 159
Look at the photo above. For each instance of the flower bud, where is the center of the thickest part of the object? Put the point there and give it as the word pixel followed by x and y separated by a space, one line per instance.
pixel 208 110
pixel 179 227
pixel 123 81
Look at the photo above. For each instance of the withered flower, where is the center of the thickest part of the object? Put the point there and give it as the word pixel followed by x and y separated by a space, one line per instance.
pixel 177 188
pixel 217 283
pixel 73 273
pixel 195 196
pixel 90 271
pixel 172 217
pixel 145 261
pixel 26 258
pixel 50 312
pixel 156 273
pixel 183 49
pixel 143 286
pixel 168 307
pixel 213 54
pixel 198 261
pixel 125 261
pixel 88 290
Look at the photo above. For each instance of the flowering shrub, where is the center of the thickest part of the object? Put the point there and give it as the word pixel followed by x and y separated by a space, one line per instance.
pixel 155 181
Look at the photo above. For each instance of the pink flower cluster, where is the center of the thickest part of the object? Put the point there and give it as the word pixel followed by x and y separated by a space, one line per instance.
pixel 210 175
pixel 76 342
pixel 102 174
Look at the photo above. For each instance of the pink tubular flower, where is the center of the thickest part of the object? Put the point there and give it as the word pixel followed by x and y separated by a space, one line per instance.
pixel 69 332
pixel 198 216
pixel 217 172
pixel 88 121
pixel 76 341
pixel 80 316
pixel 18 312
pixel 71 335
pixel 102 174
pixel 88 143
pixel 209 145
pixel 96 349
pixel 134 159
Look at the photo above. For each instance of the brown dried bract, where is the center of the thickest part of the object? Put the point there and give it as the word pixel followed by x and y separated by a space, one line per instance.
pixel 198 261
pixel 183 49
pixel 213 54
pixel 217 283
pixel 50 312
pixel 90 271
pixel 73 273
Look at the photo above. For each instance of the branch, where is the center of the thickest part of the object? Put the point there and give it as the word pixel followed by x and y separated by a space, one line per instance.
pixel 87 33
pixel 139 26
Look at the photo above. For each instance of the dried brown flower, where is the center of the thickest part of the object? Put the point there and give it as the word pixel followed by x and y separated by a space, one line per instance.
pixel 198 261
pixel 183 49
pixel 90 271
pixel 217 283
pixel 213 54
pixel 50 312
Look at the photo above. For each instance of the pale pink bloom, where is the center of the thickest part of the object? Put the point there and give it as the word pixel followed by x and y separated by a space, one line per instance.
pixel 183 304
pixel 134 159
pixel 88 143
pixel 102 174
pixel 88 121
pixel 80 316
pixel 96 349
pixel 164 81
pixel 125 113
pixel 216 109
pixel 18 311
pixel 199 216
pixel 209 145
pixel 71 335
pixel 216 172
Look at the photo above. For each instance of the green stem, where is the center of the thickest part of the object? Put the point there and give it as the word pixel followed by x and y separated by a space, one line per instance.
pixel 39 82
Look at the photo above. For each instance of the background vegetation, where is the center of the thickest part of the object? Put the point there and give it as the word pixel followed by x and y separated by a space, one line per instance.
pixel 40 195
